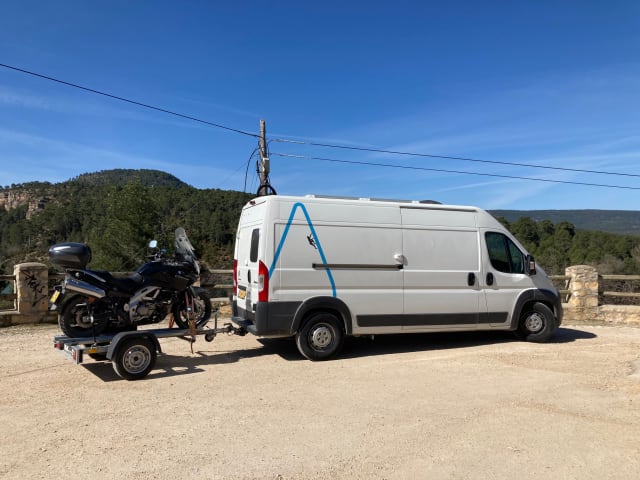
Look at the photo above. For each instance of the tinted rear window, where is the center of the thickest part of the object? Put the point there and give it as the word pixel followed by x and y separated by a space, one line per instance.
pixel 255 241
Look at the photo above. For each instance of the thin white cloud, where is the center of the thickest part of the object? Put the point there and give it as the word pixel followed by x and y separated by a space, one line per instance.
pixel 61 160
pixel 82 104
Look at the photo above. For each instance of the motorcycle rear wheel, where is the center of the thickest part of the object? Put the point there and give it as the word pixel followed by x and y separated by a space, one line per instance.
pixel 201 304
pixel 75 320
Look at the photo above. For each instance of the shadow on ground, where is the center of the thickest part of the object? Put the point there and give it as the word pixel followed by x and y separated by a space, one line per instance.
pixel 169 365
pixel 415 342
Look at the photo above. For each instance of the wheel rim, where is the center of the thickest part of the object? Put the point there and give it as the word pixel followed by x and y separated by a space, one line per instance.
pixel 534 322
pixel 321 337
pixel 136 359
pixel 82 318
pixel 198 309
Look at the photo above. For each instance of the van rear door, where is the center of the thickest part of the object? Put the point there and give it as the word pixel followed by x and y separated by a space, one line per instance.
pixel 247 262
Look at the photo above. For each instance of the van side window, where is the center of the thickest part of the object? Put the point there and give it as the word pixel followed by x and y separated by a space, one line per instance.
pixel 255 241
pixel 505 256
pixel 517 257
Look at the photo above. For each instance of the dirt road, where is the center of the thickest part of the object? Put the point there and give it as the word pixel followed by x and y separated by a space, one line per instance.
pixel 452 406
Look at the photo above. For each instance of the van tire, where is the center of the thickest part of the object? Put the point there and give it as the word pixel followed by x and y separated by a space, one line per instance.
pixel 537 323
pixel 320 337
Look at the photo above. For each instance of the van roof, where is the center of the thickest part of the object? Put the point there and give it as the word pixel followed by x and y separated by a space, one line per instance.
pixel 372 199
pixel 483 218
pixel 425 203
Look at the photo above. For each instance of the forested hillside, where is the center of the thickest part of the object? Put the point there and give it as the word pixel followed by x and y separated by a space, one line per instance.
pixel 117 212
pixel 625 222
pixel 117 218
pixel 557 246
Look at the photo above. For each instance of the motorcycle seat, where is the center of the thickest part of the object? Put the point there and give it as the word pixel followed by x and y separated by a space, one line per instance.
pixel 128 284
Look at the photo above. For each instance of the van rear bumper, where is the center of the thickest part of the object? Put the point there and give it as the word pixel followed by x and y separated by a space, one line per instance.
pixel 271 319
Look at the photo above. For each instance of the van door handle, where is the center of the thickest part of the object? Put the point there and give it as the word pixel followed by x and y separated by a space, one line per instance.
pixel 471 279
pixel 489 278
pixel 400 259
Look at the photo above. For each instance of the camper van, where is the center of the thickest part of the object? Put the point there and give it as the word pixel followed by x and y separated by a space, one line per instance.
pixel 320 268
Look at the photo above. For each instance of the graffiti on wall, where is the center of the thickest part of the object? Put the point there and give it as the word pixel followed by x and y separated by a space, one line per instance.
pixel 37 288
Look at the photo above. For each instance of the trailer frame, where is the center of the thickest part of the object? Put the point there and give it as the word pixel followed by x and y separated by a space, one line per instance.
pixel 134 353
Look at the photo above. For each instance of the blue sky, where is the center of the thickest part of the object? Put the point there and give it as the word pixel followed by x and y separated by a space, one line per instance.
pixel 553 84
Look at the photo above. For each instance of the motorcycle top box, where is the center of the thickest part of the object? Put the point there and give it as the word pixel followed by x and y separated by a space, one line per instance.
pixel 70 255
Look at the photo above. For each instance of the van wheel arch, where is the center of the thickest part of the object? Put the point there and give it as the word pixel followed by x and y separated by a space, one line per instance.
pixel 330 305
pixel 527 299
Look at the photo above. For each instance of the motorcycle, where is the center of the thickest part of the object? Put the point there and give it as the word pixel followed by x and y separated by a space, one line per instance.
pixel 92 302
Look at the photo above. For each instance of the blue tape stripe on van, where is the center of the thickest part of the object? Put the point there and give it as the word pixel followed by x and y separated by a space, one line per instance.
pixel 295 207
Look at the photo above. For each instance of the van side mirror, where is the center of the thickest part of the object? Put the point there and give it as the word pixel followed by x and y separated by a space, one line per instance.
pixel 530 265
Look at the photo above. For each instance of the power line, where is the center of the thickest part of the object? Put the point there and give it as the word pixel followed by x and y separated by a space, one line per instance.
pixel 354 148
pixel 134 102
pixel 409 167
pixel 246 172
pixel 446 157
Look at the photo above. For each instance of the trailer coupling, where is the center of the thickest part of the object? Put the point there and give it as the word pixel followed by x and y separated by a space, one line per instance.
pixel 227 328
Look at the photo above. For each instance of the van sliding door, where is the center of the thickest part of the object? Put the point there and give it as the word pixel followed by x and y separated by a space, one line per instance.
pixel 442 270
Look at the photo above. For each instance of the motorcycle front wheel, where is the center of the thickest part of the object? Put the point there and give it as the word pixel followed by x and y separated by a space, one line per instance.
pixel 199 306
pixel 75 319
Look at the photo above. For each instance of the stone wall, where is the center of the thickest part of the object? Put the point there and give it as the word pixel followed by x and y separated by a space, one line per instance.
pixel 32 287
pixel 582 306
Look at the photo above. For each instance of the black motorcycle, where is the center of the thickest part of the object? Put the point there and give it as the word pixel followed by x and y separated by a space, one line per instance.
pixel 91 302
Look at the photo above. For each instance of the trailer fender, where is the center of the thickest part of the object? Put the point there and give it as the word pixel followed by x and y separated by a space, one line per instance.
pixel 117 340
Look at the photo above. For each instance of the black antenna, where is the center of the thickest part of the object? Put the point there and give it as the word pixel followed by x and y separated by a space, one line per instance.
pixel 265 187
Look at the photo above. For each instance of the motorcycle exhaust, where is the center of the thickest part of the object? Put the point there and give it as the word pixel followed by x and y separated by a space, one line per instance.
pixel 83 287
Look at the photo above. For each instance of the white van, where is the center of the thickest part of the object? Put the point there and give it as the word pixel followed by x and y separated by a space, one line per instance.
pixel 320 268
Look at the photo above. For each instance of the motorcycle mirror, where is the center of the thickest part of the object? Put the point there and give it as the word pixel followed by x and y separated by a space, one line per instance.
pixel 153 244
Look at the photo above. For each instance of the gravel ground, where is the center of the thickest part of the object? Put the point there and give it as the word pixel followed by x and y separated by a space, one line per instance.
pixel 452 406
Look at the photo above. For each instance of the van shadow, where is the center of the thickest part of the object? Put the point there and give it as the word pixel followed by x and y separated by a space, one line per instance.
pixel 415 342
pixel 169 365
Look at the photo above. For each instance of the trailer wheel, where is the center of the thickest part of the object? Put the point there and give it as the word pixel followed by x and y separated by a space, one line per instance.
pixel 537 323
pixel 320 337
pixel 135 358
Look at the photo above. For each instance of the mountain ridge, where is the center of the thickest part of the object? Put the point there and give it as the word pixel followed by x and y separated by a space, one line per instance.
pixel 622 222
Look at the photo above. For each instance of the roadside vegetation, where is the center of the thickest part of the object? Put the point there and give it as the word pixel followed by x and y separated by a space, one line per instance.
pixel 117 212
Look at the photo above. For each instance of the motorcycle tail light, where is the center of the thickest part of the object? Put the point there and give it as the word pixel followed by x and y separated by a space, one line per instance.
pixel 263 282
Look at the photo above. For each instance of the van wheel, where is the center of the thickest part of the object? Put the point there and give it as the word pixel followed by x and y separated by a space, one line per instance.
pixel 320 337
pixel 537 323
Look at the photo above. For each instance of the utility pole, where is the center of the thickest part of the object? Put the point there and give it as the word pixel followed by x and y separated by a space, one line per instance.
pixel 265 188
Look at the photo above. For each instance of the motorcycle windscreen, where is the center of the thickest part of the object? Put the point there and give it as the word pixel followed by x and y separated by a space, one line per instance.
pixel 183 247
